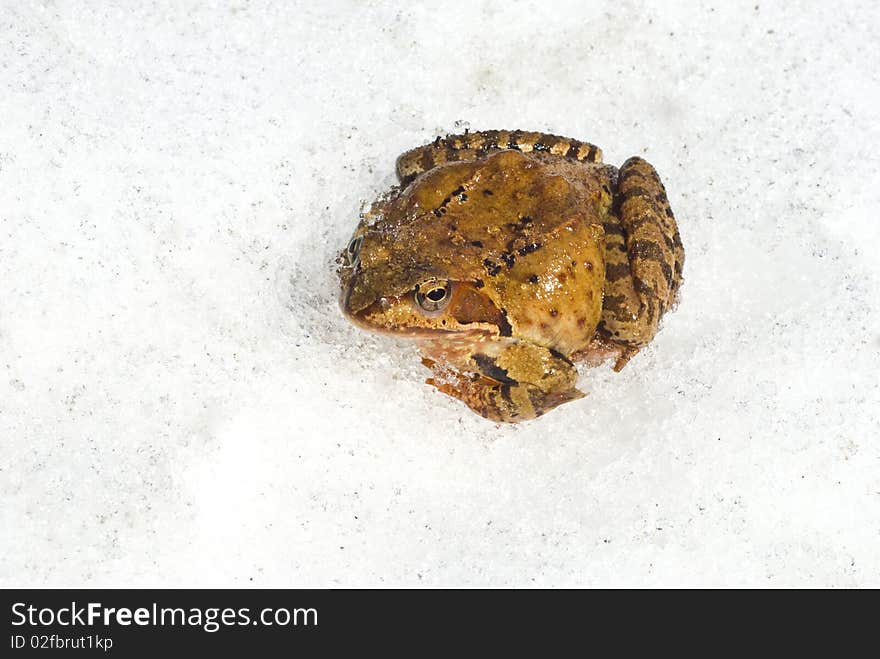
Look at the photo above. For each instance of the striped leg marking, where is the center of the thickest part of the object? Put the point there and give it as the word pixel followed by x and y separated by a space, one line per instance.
pixel 644 258
pixel 471 146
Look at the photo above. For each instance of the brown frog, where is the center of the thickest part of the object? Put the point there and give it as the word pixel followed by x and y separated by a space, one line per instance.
pixel 508 256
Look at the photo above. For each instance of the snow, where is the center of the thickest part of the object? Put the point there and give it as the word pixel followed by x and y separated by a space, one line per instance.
pixel 183 404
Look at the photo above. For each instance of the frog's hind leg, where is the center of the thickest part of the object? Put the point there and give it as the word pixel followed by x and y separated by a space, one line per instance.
pixel 471 146
pixel 644 259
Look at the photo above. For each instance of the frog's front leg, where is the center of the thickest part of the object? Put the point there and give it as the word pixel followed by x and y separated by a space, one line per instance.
pixel 644 258
pixel 513 383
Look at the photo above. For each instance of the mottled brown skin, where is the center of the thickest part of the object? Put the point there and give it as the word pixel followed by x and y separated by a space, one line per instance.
pixel 510 255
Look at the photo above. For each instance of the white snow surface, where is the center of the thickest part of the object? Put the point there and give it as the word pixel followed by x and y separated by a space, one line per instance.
pixel 182 403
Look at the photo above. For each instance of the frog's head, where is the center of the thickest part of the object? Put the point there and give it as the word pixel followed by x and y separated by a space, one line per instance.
pixel 394 284
pixel 458 249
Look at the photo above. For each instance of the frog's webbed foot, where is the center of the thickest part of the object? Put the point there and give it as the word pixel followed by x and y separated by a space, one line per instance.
pixel 471 146
pixel 522 382
pixel 644 259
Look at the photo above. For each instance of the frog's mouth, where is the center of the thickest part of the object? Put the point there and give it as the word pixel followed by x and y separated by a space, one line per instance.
pixel 376 318
pixel 470 315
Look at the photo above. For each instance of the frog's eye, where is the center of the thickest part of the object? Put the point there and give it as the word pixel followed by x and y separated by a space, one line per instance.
pixel 433 295
pixel 353 251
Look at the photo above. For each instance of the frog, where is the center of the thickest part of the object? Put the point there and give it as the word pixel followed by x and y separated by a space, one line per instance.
pixel 510 257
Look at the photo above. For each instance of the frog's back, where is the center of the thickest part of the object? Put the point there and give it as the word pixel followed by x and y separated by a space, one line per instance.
pixel 642 246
